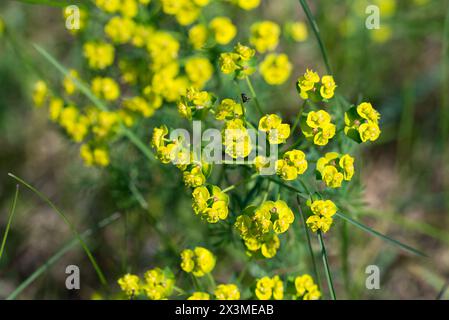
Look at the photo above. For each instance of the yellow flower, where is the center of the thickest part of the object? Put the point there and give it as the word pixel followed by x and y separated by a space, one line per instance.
pixel 198 36
pixel 228 62
pixel 294 163
pixel 334 168
pixel 267 288
pixel 277 131
pixel 318 127
pixel 211 203
pixel 140 105
pixel 194 178
pixel 275 68
pixel 306 288
pixel 362 123
pixel 141 35
pixel 199 261
pixel 163 49
pixel 247 4
pixel 327 87
pixel 40 93
pixel 307 83
pixel 228 109
pixel 129 8
pixel 199 296
pixel 265 36
pixel 69 85
pixel 159 284
pixel 100 55
pixel 130 284
pixel 322 210
pixel 297 31
pixel 94 156
pixel 223 29
pixel 199 70
pixel 227 292
pixel 270 245
pixel 119 30
pixel 55 108
pixel 245 53
pixel 236 139
pixel 105 88
pixel 158 136
pixel 109 6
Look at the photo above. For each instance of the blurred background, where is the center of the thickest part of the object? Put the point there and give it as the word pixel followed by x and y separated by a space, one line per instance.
pixel 402 68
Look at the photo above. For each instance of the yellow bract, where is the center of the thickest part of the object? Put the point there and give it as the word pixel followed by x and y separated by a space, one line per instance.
pixel 227 292
pixel 275 68
pixel 198 261
pixel 267 288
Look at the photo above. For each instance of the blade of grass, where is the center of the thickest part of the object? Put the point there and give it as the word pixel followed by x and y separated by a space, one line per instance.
pixel 326 267
pixel 254 95
pixel 68 223
pixel 316 32
pixel 59 254
pixel 52 3
pixel 8 225
pixel 380 235
pixel 309 243
pixel 96 101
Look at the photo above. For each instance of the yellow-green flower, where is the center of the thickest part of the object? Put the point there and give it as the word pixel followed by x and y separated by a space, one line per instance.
pixel 323 211
pixel 306 288
pixel 198 36
pixel 277 131
pixel 199 70
pixel 317 126
pixel 362 123
pixel 158 284
pixel 267 288
pixel 223 29
pixel 297 31
pixel 199 296
pixel 247 4
pixel 198 261
pixel 292 164
pixel 40 93
pixel 210 203
pixel 265 36
pixel 227 292
pixel 334 168
pixel 275 68
pixel 236 139
pixel 130 284
pixel 99 55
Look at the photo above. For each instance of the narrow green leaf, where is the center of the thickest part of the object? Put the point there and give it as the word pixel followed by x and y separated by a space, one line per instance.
pixel 96 101
pixel 380 235
pixel 59 254
pixel 330 283
pixel 53 3
pixel 68 223
pixel 8 226
pixel 316 32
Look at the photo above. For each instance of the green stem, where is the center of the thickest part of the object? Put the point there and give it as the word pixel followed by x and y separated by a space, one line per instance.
pixel 254 176
pixel 326 266
pixel 8 226
pixel 69 224
pixel 316 32
pixel 254 95
pixel 309 243
pixel 298 116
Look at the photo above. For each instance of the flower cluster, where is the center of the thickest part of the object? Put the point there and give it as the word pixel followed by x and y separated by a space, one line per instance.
pixel 277 131
pixel 259 227
pixel 238 62
pixel 195 103
pixel 198 261
pixel 306 288
pixel 321 218
pixel 317 126
pixel 210 203
pixel 185 11
pixel 333 168
pixel 267 288
pixel 157 285
pixel 311 86
pixel 292 164
pixel 362 123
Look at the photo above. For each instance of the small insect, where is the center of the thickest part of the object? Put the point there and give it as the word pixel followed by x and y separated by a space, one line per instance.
pixel 245 98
